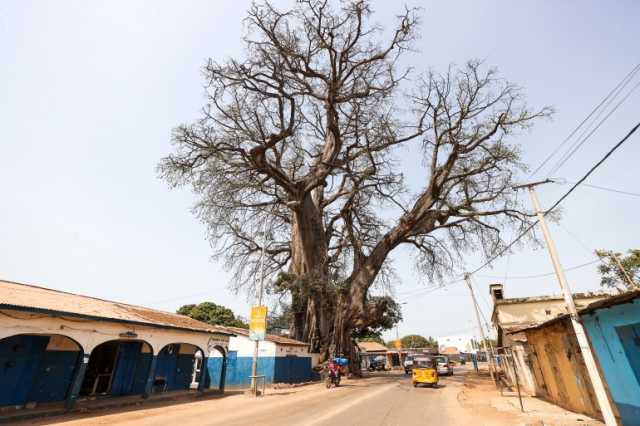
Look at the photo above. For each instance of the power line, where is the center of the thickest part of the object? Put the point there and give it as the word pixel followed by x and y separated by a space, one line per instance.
pixel 574 148
pixel 591 170
pixel 603 188
pixel 526 277
pixel 594 167
pixel 574 131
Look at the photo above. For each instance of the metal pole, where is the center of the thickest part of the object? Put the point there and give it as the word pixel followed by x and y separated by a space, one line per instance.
pixel 254 363
pixel 467 278
pixel 581 336
pixel 624 271
pixel 515 373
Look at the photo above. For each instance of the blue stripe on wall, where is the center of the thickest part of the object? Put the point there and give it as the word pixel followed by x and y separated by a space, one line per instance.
pixel 239 370
pixel 292 369
pixel 289 369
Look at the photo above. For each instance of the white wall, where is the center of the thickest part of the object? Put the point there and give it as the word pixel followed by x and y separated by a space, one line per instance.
pixel 266 348
pixel 90 333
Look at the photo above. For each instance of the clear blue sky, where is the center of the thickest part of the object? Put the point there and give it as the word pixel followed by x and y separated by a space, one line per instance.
pixel 89 92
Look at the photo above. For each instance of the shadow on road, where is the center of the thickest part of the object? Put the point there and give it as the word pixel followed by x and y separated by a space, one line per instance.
pixel 83 412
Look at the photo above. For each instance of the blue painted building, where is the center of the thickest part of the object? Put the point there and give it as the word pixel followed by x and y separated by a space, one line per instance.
pixel 58 347
pixel 613 326
pixel 280 360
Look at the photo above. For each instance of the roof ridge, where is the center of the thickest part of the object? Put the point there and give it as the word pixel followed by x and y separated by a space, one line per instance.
pixel 150 315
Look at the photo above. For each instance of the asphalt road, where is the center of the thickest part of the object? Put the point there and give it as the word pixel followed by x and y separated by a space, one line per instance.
pixel 388 399
pixel 383 399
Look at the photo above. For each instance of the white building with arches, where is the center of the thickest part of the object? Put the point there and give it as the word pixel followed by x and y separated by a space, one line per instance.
pixel 63 347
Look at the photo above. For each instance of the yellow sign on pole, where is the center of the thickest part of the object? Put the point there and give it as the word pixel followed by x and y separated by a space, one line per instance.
pixel 398 344
pixel 258 323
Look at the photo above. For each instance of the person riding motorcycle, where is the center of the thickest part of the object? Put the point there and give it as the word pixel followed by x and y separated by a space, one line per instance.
pixel 334 370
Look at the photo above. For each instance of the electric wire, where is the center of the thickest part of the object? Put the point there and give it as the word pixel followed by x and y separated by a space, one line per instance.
pixel 624 81
pixel 603 188
pixel 527 277
pixel 574 148
pixel 560 200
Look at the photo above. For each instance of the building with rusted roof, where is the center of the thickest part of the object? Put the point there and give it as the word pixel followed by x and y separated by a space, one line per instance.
pixel 511 315
pixel 613 328
pixel 57 346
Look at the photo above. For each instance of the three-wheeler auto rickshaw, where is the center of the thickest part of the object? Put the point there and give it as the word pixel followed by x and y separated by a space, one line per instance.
pixel 425 371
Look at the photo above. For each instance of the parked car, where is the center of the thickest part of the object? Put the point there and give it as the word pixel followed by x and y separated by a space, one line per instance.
pixel 377 364
pixel 445 368
pixel 408 364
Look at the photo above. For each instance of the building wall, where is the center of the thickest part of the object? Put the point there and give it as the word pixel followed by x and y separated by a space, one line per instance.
pixel 58 347
pixel 615 337
pixel 90 333
pixel 535 311
pixel 522 362
pixel 562 377
pixel 278 363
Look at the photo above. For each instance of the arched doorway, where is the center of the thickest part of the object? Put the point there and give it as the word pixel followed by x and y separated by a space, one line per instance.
pixel 37 368
pixel 117 367
pixel 179 366
pixel 218 364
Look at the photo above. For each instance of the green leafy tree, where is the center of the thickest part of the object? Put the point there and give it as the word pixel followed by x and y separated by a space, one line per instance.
pixel 431 343
pixel 618 271
pixel 414 341
pixel 279 319
pixel 391 316
pixel 212 313
pixel 368 335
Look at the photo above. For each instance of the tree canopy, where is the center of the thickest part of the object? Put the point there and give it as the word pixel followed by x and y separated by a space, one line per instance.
pixel 619 271
pixel 212 313
pixel 417 341
pixel 302 135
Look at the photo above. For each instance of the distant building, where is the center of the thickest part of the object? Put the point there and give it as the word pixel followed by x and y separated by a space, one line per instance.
pixel 370 351
pixel 60 347
pixel 280 360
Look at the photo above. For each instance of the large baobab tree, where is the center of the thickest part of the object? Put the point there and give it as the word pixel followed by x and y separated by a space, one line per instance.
pixel 306 131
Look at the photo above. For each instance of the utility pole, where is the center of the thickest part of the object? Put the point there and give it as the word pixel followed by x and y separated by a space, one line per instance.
pixel 581 336
pixel 624 271
pixel 467 278
pixel 254 363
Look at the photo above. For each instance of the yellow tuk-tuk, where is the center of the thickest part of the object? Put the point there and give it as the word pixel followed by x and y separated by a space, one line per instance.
pixel 425 371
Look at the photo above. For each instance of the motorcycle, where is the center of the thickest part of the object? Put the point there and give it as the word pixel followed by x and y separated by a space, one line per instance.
pixel 334 371
pixel 333 376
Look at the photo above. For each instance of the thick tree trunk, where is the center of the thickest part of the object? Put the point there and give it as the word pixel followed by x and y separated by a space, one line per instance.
pixel 309 251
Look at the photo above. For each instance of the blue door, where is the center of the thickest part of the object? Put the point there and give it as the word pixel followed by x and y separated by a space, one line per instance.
pixel 167 366
pixel 20 358
pixel 630 338
pixel 54 376
pixel 125 371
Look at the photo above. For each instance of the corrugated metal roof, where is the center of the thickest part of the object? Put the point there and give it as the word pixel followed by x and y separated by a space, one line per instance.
pixel 372 347
pixel 280 340
pixel 627 297
pixel 27 297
